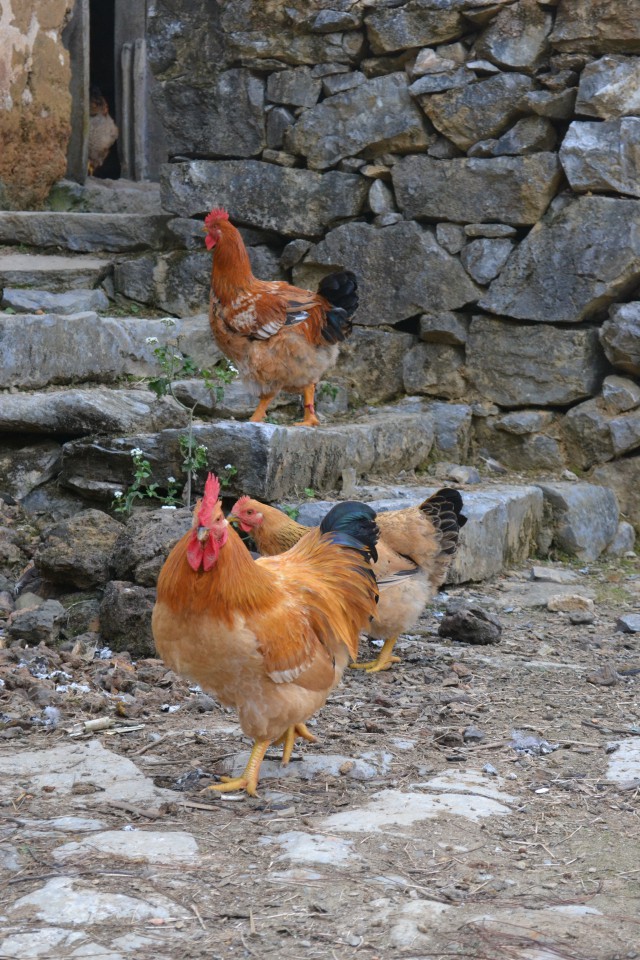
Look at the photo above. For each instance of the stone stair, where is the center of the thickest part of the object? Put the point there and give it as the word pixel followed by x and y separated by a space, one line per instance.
pixel 75 399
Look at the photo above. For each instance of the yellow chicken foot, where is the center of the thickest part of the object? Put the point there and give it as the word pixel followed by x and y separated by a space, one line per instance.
pixel 288 739
pixel 249 779
pixel 261 410
pixel 383 661
pixel 310 419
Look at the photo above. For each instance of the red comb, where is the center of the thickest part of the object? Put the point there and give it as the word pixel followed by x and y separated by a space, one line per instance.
pixel 209 500
pixel 240 502
pixel 218 213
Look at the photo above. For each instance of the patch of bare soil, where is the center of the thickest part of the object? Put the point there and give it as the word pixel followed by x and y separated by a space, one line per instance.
pixel 482 801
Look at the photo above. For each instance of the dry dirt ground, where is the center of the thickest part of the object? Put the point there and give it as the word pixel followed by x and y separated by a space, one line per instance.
pixel 477 802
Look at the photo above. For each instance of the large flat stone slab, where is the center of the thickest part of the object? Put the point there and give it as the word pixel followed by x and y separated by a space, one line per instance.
pixel 52 272
pixel 152 846
pixel 72 301
pixel 503 522
pixel 79 412
pixel 84 232
pixel 42 350
pixel 273 462
pixel 66 763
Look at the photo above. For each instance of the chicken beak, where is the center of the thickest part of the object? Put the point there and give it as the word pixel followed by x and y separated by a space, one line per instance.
pixel 233 520
pixel 202 533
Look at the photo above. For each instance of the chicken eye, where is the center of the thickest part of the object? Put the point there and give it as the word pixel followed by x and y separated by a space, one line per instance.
pixel 250 512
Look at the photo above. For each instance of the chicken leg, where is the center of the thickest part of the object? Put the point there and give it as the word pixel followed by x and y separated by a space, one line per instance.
pixel 310 419
pixel 288 739
pixel 249 779
pixel 382 662
pixel 260 411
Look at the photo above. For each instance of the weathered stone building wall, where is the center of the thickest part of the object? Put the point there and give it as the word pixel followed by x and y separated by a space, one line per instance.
pixel 35 100
pixel 475 162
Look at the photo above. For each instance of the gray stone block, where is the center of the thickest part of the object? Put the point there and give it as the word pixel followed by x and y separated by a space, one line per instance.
pixel 603 156
pixel 520 366
pixel 401 269
pixel 255 192
pixel 74 301
pixel 464 190
pixel 585 517
pixel 84 232
pixel 377 116
pixel 576 263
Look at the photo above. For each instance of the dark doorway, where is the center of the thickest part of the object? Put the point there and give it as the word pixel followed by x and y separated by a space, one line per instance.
pixel 102 82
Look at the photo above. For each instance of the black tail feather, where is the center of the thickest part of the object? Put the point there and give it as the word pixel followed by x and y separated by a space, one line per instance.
pixel 444 509
pixel 341 290
pixel 353 524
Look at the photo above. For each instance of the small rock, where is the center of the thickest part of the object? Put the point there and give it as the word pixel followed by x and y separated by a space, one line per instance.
pixel 570 603
pixel 604 677
pixel 554 575
pixel 623 541
pixel 629 623
pixel 205 703
pixel 469 623
pixel 581 617
pixel 473 735
pixel 38 623
pixel 490 770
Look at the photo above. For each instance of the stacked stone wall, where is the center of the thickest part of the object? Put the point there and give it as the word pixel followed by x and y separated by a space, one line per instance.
pixel 475 163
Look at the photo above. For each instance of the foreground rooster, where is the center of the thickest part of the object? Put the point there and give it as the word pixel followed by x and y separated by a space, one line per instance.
pixel 416 547
pixel 270 637
pixel 280 337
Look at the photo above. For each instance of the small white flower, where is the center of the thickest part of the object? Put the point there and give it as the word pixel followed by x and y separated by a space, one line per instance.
pixel 151 340
pixel 168 322
pixel 229 466
pixel 201 446
pixel 166 506
pixel 232 368
pixel 118 494
pixel 136 452
pixel 171 479
pixel 178 356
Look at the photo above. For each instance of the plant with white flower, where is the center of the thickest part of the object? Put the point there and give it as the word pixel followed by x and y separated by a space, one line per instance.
pixel 151 340
pixel 142 488
pixel 226 475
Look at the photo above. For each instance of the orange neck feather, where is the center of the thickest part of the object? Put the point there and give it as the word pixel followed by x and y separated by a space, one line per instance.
pixel 231 269
pixel 277 532
pixel 236 583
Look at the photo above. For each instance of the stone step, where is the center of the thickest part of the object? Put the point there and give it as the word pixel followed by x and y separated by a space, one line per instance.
pixel 106 196
pixel 272 462
pixel 52 272
pixel 507 523
pixel 41 302
pixel 43 349
pixel 504 523
pixel 85 232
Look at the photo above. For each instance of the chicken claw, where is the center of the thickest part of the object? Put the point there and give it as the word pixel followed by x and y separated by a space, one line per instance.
pixel 289 738
pixel 249 779
pixel 383 661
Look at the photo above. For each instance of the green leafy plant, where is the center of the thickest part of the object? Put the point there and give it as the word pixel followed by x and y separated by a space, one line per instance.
pixel 139 489
pixel 173 364
pixel 328 390
pixel 292 512
pixel 309 492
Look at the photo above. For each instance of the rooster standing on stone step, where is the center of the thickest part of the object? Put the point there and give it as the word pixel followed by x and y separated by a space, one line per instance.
pixel 280 337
